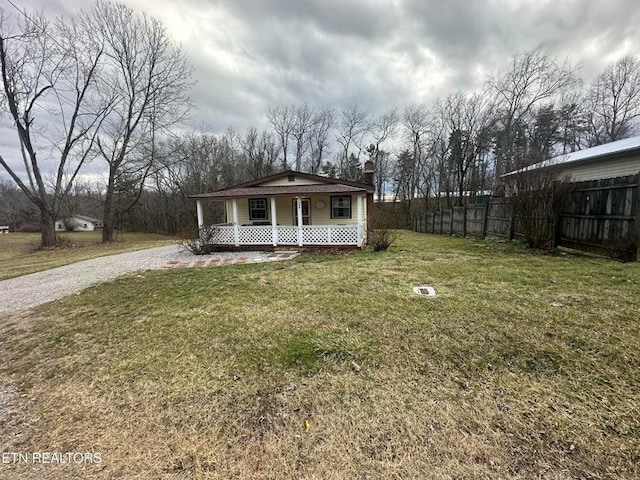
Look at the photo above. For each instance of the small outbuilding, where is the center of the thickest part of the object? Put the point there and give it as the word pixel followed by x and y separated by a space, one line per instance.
pixel 78 223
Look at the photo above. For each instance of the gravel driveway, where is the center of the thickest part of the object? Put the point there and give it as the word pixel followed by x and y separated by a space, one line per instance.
pixel 37 288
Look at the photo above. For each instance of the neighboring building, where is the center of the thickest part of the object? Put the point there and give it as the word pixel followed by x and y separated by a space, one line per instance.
pixel 615 159
pixel 4 228
pixel 78 223
pixel 293 209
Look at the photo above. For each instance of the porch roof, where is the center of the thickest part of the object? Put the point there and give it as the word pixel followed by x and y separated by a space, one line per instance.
pixel 264 191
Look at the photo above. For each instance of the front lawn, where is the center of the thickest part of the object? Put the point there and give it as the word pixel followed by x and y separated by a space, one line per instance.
pixel 523 366
pixel 19 253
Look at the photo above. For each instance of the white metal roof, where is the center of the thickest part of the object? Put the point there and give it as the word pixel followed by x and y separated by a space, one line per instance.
pixel 613 148
pixel 87 219
pixel 84 218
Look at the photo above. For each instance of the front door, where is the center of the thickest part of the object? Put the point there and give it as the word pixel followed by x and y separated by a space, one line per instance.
pixel 306 212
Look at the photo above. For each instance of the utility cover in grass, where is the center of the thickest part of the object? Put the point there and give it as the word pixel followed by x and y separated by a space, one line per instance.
pixel 425 290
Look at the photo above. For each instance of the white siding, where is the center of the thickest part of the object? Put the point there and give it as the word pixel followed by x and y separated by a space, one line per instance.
pixel 228 211
pixel 323 216
pixel 618 167
pixel 319 216
pixel 80 225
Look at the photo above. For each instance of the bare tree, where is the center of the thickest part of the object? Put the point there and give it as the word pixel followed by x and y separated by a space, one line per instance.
pixel 302 125
pixel 614 102
pixel 261 152
pixel 49 90
pixel 416 123
pixel 229 158
pixel 16 210
pixel 533 78
pixel 193 163
pixel 198 163
pixel 147 79
pixel 434 149
pixel 403 179
pixel 440 168
pixel 282 121
pixel 383 171
pixel 470 121
pixel 382 129
pixel 351 128
pixel 323 121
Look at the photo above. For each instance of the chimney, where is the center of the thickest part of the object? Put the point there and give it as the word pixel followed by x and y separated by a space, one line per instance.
pixel 368 172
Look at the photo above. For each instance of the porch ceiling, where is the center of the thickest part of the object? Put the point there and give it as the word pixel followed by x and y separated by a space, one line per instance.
pixel 276 191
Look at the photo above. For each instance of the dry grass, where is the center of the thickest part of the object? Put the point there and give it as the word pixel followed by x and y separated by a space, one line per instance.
pixel 19 253
pixel 524 366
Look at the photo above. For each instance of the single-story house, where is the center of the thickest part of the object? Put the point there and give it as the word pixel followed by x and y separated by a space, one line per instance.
pixel 78 223
pixel 616 159
pixel 292 209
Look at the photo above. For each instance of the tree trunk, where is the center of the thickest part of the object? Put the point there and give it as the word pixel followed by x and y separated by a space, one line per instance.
pixel 109 216
pixel 47 228
pixel 460 201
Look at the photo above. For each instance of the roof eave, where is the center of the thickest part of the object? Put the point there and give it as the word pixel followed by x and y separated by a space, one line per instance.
pixel 310 176
pixel 595 158
pixel 222 195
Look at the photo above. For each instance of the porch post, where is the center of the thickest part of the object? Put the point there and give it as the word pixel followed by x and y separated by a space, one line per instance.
pixel 359 217
pixel 299 209
pixel 236 233
pixel 274 222
pixel 200 214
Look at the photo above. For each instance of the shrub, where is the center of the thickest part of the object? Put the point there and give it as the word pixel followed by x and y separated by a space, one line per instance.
pixel 534 197
pixel 383 232
pixel 204 244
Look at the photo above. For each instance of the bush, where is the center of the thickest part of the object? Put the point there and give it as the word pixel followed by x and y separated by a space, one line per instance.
pixel 383 232
pixel 534 196
pixel 204 244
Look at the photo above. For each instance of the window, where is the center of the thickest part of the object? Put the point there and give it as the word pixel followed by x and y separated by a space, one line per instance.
pixel 340 207
pixel 258 209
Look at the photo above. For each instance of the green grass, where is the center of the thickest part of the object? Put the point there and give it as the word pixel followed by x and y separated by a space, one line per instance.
pixel 523 366
pixel 19 252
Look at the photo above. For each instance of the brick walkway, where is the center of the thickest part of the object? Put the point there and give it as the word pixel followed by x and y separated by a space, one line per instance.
pixel 216 261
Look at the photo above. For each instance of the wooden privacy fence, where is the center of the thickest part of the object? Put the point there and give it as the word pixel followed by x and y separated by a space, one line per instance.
pixel 601 216
pixel 493 219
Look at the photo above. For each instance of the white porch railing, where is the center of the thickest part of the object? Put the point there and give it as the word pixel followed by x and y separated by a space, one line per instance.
pixel 287 235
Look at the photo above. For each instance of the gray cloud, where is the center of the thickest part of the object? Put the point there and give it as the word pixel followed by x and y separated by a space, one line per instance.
pixel 248 55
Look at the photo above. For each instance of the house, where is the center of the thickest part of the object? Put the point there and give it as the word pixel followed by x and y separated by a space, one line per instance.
pixel 78 223
pixel 616 159
pixel 292 209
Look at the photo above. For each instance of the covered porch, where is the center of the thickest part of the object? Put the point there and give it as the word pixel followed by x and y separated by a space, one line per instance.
pixel 285 235
pixel 283 220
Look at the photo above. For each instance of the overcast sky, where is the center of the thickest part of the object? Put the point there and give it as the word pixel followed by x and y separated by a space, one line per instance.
pixel 250 54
